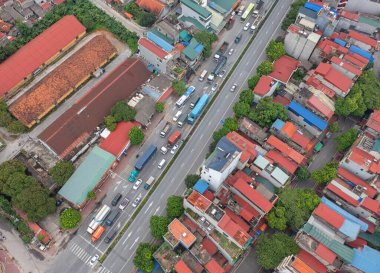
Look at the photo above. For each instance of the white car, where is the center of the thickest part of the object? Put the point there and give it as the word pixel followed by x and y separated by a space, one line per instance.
pixel 214 87
pixel 231 51
pixel 124 203
pixel 174 149
pixel 233 87
pixel 246 27
pixel 222 73
pixel 94 259
pixel 137 184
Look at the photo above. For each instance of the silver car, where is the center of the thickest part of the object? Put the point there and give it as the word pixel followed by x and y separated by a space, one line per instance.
pixel 94 259
pixel 214 87
pixel 233 87
pixel 124 203
pixel 136 202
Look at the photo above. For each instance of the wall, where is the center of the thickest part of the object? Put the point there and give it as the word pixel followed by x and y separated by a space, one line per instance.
pixel 151 58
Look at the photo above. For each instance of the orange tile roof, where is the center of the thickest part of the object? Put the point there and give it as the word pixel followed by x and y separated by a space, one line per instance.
pixel 181 267
pixel 59 83
pixel 181 233
pixel 301 266
pixel 213 267
pixel 313 262
pixel 152 6
pixel 374 121
pixel 40 50
pixel 233 230
pixel 285 149
pixel 198 201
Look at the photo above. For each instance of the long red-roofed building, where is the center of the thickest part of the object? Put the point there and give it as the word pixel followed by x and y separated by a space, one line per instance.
pixel 39 52
pixel 285 149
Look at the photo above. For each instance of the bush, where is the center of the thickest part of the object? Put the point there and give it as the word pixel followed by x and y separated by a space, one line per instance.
pixel 174 206
pixel 159 226
pixel 267 111
pixel 206 39
pixel 275 50
pixel 62 171
pixel 246 96
pixel 241 109
pixel 334 127
pixel 91 195
pixel 160 107
pixel 264 68
pixel 69 218
pixel 110 122
pixel 136 135
pixel 143 259
pixel 252 82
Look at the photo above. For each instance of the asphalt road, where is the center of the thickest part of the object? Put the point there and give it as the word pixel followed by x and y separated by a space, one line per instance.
pixel 80 250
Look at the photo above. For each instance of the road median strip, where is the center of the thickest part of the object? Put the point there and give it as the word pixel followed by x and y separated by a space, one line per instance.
pixel 155 185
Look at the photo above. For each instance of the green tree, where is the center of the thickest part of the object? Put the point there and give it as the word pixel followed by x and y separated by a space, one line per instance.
pixel 334 127
pixel 62 171
pixel 325 174
pixel 241 109
pixel 174 206
pixel 292 14
pixel 267 111
pixel 91 195
pixel 16 127
pixel 206 39
pixel 302 173
pixel 110 122
pixel 159 226
pixel 123 112
pixel 9 168
pixel 252 82
pixel 275 50
pixel 277 219
pixel 136 135
pixel 264 68
pixel 191 179
pixel 346 139
pixel 5 119
pixel 299 74
pixel 160 107
pixel 17 182
pixel 147 19
pixel 69 218
pixel 246 96
pixel 179 87
pixel 271 251
pixel 143 259
pixel 230 124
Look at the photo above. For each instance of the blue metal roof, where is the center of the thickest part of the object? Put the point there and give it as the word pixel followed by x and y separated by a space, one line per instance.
pixel 201 186
pixel 350 229
pixel 278 124
pixel 308 116
pixel 340 42
pixel 159 41
pixel 362 52
pixel 316 7
pixel 367 260
pixel 345 214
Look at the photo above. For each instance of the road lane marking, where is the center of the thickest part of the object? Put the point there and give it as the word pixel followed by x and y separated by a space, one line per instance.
pixel 192 150
pixel 126 239
pixel 199 139
pixel 134 242
pixel 151 203
pixel 157 209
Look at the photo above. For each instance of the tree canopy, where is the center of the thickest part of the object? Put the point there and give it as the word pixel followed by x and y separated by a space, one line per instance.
pixel 292 14
pixel 334 127
pixel 191 179
pixel 275 50
pixel 271 251
pixel 136 135
pixel 69 218
pixel 174 206
pixel 252 82
pixel 325 174
pixel 110 122
pixel 246 96
pixel 346 139
pixel 62 171
pixel 160 107
pixel 206 39
pixel 123 112
pixel 264 68
pixel 179 87
pixel 143 259
pixel 267 111
pixel 159 226
pixel 303 173
pixel 241 109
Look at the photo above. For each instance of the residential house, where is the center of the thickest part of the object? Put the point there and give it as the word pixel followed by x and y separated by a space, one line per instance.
pixel 275 143
pixel 273 174
pixel 346 68
pixel 179 234
pixel 221 163
pixel 283 68
pixel 305 13
pixel 265 87
pixel 154 55
pixel 192 52
pixel 302 262
pixel 199 14
pixel 167 29
pixel 362 40
pixel 321 105
pixel 253 130
pixel 3 39
pixel 373 123
pixel 325 50
pixel 153 6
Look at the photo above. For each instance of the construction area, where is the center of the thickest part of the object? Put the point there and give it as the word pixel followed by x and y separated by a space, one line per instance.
pixel 62 81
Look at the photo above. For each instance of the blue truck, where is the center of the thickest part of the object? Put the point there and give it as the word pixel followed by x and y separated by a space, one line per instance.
pixel 147 155
pixel 194 114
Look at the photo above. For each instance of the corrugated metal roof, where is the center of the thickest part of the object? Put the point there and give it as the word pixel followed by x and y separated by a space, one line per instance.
pixel 308 116
pixel 261 162
pixel 159 41
pixel 197 8
pixel 278 124
pixel 367 260
pixel 201 186
pixel 87 176
pixel 193 50
pixel 280 176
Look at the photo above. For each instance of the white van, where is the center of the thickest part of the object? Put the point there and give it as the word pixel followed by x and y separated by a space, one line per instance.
pixel 162 164
pixel 177 115
pixel 164 150
pixel 203 75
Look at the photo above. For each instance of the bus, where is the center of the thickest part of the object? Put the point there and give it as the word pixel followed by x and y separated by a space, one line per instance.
pixel 182 100
pixel 203 75
pixel 98 219
pixel 247 11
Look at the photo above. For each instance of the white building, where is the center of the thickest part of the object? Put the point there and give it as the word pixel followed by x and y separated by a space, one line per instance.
pixel 154 55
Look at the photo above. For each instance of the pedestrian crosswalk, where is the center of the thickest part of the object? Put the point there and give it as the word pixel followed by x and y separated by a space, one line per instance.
pixel 85 257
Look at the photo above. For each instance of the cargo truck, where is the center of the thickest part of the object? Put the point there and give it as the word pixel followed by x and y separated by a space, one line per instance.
pixel 98 219
pixel 194 102
pixel 182 121
pixel 166 129
pixel 194 114
pixel 147 155
pixel 218 68
pixel 97 233
pixel 174 137
pixel 149 183
pixel 222 49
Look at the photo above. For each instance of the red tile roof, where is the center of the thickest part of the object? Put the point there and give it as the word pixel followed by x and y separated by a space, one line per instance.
pixel 38 51
pixel 287 164
pixel 116 142
pixel 181 233
pixel 371 205
pixel 358 243
pixel 181 267
pixel 158 51
pixel 285 149
pixel 374 121
pixel 233 230
pixel 46 6
pixel 209 246
pixel 254 196
pixel 356 59
pixel 346 66
pixel 342 194
pixel 330 216
pixel 213 267
pixel 345 174
pixel 334 77
pixel 371 226
pixel 263 86
pixel 327 47
pixel 325 253
pixel 301 266
pixel 294 28
pixel 291 131
pixel 362 38
pixel 243 144
pixel 313 262
pixel 283 68
pixel 153 6
pixel 318 105
pixel 364 159
pixel 209 195
pixel 313 81
pixel 281 100
pixel 244 226
pixel 198 201
pixel 350 15
pixel 247 212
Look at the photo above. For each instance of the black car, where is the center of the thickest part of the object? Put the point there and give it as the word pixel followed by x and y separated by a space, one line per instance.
pixel 116 199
